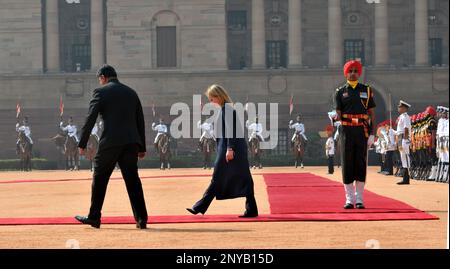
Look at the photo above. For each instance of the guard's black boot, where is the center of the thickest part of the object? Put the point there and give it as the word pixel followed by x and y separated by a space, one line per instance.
pixel 405 180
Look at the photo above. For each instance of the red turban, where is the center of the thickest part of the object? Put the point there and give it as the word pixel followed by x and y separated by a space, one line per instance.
pixel 430 110
pixel 350 64
pixel 329 128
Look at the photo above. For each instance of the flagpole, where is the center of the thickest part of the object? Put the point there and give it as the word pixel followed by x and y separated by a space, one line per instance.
pixel 390 110
pixel 291 104
pixel 61 107
pixel 18 110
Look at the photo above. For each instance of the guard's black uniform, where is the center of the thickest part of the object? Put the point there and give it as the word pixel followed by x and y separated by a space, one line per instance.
pixel 355 129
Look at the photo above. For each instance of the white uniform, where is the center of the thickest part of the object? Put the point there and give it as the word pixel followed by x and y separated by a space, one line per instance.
pixel 160 128
pixel 377 145
pixel 391 146
pixel 70 129
pixel 443 134
pixel 255 130
pixel 95 131
pixel 207 129
pixel 299 128
pixel 336 134
pixel 329 147
pixel 404 122
pixel 26 130
pixel 383 142
pixel 334 122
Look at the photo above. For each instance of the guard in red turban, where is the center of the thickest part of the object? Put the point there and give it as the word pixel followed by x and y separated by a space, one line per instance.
pixel 355 106
pixel 351 65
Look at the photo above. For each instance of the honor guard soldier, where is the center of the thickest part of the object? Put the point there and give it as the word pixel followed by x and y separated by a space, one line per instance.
pixel 25 128
pixel 439 145
pixel 391 147
pixel 415 146
pixel 255 130
pixel 96 130
pixel 161 128
pixel 443 138
pixel 403 132
pixel 355 108
pixel 299 128
pixel 381 145
pixel 207 132
pixel 430 159
pixel 70 128
pixel 329 152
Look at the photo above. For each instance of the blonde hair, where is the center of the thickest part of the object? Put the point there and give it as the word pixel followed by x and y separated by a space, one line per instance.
pixel 218 91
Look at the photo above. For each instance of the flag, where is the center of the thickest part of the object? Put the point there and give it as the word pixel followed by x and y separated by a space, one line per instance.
pixel 153 110
pixel 291 105
pixel 61 106
pixel 18 110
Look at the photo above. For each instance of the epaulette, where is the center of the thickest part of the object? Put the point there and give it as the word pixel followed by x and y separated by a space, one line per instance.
pixel 341 87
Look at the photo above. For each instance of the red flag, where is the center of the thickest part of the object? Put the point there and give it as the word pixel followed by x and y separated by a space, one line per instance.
pixel 153 110
pixel 61 106
pixel 291 105
pixel 18 110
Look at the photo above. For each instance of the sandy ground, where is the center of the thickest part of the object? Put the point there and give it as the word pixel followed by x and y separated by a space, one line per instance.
pixel 170 196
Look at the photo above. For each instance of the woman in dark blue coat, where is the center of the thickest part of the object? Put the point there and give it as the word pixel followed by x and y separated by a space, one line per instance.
pixel 231 177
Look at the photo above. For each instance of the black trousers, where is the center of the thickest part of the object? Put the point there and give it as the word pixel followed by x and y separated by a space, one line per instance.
pixel 203 204
pixel 104 164
pixel 381 163
pixel 353 154
pixel 330 164
pixel 389 162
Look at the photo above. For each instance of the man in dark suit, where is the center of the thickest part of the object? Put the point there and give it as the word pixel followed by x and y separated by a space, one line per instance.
pixel 122 142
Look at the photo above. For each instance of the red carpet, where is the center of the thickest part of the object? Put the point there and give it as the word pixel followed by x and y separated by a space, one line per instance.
pixel 224 218
pixel 292 197
pixel 311 194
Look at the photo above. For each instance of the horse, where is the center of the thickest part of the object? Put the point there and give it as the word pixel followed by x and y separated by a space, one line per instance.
pixel 164 151
pixel 68 146
pixel 24 151
pixel 71 153
pixel 255 152
pixel 207 146
pixel 299 149
pixel 59 140
pixel 91 149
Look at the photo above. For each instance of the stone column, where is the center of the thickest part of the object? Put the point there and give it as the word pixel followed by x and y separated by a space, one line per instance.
pixel 295 34
pixel 52 36
pixel 97 34
pixel 421 32
pixel 258 35
pixel 335 46
pixel 381 34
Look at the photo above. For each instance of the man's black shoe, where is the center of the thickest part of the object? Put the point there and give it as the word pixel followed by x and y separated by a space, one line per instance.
pixel 86 220
pixel 141 225
pixel 360 206
pixel 249 215
pixel 192 211
pixel 349 206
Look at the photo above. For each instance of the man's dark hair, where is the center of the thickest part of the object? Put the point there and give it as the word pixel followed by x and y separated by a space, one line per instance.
pixel 107 71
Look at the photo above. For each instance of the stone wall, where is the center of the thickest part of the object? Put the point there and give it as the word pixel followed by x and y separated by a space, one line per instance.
pixel 201 33
pixel 21 47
